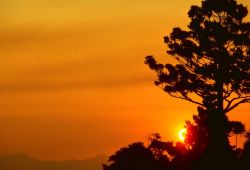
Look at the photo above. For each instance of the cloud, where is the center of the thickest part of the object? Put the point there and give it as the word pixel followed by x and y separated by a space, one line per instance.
pixel 75 84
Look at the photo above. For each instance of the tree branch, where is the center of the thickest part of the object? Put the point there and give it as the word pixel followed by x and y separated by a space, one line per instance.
pixel 244 100
pixel 186 98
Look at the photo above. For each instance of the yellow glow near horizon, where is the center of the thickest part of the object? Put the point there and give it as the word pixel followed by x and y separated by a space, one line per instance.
pixel 182 134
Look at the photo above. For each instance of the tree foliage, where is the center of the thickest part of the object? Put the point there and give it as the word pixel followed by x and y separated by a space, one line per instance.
pixel 190 155
pixel 213 57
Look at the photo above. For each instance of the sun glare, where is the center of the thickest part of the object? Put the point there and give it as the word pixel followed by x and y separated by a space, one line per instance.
pixel 182 134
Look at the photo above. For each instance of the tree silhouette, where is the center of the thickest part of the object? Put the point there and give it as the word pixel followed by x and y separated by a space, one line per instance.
pixel 138 157
pixel 157 155
pixel 197 132
pixel 212 71
pixel 193 154
pixel 134 157
pixel 166 151
pixel 213 64
pixel 236 128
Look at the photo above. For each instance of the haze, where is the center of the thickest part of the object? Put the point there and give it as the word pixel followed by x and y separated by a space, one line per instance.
pixel 73 83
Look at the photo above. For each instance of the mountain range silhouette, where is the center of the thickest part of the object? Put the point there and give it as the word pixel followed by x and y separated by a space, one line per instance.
pixel 22 161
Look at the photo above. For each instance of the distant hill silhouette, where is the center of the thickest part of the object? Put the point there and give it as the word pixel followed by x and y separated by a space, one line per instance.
pixel 25 162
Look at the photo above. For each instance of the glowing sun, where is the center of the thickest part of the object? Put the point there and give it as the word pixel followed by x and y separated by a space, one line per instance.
pixel 182 134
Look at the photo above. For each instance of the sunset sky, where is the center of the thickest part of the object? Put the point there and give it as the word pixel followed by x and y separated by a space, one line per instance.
pixel 73 83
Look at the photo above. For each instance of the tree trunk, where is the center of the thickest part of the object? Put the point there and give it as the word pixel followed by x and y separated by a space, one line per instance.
pixel 219 144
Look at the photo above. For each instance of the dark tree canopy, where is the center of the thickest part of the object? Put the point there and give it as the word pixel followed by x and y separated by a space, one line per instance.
pixel 213 66
pixel 197 131
pixel 213 57
pixel 135 157
pixel 139 157
pixel 190 155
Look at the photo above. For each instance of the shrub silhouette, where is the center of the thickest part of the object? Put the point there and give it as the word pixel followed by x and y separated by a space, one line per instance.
pixel 158 155
pixel 134 157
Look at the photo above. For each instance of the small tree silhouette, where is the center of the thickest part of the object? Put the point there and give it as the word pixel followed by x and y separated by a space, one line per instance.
pixel 213 69
pixel 156 156
pixel 134 157
pixel 197 132
pixel 236 128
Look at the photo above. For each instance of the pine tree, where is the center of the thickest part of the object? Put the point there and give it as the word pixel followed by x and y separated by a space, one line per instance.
pixel 213 64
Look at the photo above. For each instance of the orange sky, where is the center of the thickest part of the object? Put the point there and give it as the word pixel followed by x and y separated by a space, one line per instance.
pixel 72 79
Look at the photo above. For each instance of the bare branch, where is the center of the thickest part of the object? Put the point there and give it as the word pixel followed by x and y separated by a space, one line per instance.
pixel 186 98
pixel 228 108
